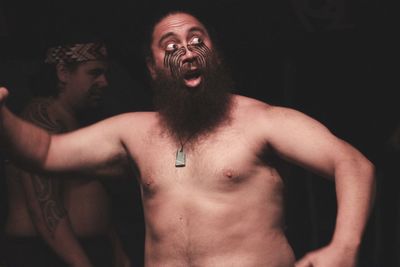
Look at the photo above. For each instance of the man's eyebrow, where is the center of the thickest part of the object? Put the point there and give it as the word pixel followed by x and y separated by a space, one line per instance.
pixel 198 29
pixel 165 36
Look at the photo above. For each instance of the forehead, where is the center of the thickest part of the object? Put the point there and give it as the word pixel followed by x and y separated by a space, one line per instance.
pixel 179 23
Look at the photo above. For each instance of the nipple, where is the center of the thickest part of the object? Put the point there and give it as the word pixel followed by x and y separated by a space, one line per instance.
pixel 228 173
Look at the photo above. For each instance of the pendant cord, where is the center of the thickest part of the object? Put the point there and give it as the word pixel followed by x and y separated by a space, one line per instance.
pixel 180 160
pixel 184 143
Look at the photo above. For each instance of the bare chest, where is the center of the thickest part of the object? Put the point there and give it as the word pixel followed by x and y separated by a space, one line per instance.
pixel 223 163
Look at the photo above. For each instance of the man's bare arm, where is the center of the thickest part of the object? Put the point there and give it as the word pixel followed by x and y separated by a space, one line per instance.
pixel 96 149
pixel 14 131
pixel 306 142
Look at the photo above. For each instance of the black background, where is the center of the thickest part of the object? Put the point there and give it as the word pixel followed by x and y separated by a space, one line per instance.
pixel 333 60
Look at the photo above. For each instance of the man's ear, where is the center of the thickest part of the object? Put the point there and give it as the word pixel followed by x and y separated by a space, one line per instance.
pixel 150 67
pixel 62 72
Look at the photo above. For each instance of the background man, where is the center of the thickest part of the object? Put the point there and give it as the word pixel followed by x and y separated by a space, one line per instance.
pixel 209 161
pixel 62 222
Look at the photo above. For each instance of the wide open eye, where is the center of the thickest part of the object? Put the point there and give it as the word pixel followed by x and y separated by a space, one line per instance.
pixel 171 47
pixel 196 40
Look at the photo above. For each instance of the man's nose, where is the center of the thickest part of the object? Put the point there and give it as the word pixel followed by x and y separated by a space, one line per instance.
pixel 102 80
pixel 188 56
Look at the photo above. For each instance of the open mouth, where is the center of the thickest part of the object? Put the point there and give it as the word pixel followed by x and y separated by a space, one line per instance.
pixel 192 78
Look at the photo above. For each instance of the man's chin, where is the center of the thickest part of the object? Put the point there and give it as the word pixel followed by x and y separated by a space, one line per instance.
pixel 94 104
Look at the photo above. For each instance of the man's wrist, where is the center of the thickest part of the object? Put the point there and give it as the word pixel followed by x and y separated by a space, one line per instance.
pixel 353 243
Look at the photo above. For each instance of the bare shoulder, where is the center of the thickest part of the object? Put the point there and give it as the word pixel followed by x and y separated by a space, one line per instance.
pixel 245 107
pixel 245 102
pixel 257 109
pixel 272 118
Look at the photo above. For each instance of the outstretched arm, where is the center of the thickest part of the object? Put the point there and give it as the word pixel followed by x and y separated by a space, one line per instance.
pixel 13 133
pixel 306 142
pixel 70 152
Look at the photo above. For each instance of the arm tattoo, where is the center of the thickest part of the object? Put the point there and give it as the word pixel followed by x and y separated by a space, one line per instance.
pixel 48 197
pixel 46 189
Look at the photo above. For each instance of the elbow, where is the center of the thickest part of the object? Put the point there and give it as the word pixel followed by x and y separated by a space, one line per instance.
pixel 365 169
pixel 369 169
pixel 368 173
pixel 358 167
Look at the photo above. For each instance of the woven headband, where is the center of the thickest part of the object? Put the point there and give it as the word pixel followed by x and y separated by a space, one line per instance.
pixel 76 53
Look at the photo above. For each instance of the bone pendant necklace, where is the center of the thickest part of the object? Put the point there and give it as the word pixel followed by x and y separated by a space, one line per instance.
pixel 180 160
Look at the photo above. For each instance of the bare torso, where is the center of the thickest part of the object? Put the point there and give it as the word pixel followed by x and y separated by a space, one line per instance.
pixel 85 200
pixel 224 208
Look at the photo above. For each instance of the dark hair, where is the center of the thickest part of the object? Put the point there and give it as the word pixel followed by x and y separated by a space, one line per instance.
pixel 161 13
pixel 45 82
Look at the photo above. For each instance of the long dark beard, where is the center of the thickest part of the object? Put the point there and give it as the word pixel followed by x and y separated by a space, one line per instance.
pixel 189 113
